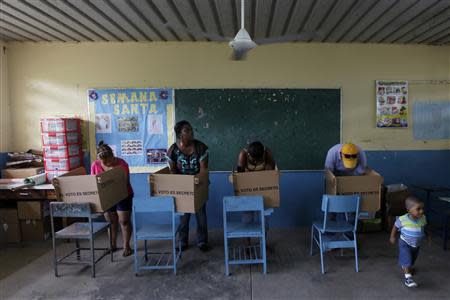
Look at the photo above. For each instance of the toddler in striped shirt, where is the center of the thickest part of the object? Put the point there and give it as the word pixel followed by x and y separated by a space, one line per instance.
pixel 412 230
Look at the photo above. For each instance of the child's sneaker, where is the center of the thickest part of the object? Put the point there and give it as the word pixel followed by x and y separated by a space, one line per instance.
pixel 409 282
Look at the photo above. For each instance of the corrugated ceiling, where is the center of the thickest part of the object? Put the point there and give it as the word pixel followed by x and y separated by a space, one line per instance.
pixel 267 21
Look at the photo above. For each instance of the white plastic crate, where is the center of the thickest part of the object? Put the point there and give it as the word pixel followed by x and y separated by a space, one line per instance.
pixel 60 124
pixel 60 138
pixel 62 164
pixel 61 151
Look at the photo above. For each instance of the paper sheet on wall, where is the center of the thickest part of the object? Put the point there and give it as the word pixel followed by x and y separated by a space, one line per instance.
pixel 431 120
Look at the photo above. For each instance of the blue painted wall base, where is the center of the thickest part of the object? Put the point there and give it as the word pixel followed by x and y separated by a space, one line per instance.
pixel 301 191
pixel 3 158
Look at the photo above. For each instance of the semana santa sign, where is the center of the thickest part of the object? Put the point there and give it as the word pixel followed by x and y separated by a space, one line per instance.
pixel 136 123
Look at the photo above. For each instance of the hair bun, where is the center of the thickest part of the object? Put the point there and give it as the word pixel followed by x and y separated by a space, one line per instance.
pixel 101 143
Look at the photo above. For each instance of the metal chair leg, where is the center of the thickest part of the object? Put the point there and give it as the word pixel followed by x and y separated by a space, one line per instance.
pixel 145 251
pixel 263 249
pixel 77 245
pixel 174 254
pixel 445 230
pixel 55 258
pixel 356 253
pixel 321 253
pixel 312 240
pixel 110 246
pixel 93 256
pixel 136 256
pixel 227 270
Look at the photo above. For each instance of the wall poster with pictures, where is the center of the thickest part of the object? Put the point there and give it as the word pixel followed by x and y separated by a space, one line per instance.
pixel 136 123
pixel 392 103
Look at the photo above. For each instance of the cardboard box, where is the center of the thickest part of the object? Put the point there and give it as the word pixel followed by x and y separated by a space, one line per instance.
pixel 22 172
pixel 368 186
pixel 33 210
pixel 11 232
pixel 9 226
pixel 103 191
pixel 74 172
pixel 35 230
pixel 9 216
pixel 261 183
pixel 190 191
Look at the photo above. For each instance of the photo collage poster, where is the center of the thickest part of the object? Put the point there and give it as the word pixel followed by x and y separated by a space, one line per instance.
pixel 136 123
pixel 392 104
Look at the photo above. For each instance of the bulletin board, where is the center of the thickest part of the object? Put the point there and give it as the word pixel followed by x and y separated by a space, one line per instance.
pixel 137 123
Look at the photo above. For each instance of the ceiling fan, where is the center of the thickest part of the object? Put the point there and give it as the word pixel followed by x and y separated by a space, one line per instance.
pixel 242 42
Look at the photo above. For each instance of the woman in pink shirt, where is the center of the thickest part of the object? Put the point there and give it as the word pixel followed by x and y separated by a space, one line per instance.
pixel 119 213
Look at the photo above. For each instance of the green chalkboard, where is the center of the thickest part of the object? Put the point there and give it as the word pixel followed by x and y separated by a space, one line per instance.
pixel 298 125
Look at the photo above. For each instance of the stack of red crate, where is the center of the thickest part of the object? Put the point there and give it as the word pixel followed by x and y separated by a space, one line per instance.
pixel 61 143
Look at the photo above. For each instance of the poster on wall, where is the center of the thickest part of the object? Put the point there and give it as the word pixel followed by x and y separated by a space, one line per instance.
pixel 392 104
pixel 136 123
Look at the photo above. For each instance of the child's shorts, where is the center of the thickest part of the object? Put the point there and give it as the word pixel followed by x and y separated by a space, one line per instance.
pixel 407 254
pixel 124 205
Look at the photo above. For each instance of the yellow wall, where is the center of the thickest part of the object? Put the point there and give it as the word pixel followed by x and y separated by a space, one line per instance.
pixel 47 79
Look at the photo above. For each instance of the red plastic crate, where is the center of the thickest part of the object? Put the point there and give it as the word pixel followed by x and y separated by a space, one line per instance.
pixel 60 138
pixel 62 164
pixel 60 124
pixel 56 151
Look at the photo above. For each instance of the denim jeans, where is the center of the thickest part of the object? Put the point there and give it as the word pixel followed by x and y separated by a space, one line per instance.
pixel 202 227
pixel 407 254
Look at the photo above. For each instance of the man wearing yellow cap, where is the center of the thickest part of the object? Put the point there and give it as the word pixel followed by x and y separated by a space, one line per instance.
pixel 346 160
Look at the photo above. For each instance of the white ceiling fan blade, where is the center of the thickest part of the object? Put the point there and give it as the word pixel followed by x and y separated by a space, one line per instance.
pixel 280 39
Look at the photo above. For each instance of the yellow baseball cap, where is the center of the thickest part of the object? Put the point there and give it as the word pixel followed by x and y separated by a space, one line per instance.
pixel 349 155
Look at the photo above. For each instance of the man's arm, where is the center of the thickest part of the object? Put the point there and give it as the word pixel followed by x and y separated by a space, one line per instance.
pixel 330 161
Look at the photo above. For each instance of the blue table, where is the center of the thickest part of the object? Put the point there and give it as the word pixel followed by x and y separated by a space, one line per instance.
pixel 430 189
pixel 446 220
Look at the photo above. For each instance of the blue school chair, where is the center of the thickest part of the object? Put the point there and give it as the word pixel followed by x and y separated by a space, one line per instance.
pixel 254 254
pixel 333 234
pixel 77 231
pixel 145 231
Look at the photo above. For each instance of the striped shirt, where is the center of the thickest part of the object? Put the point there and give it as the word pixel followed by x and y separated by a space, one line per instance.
pixel 411 230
